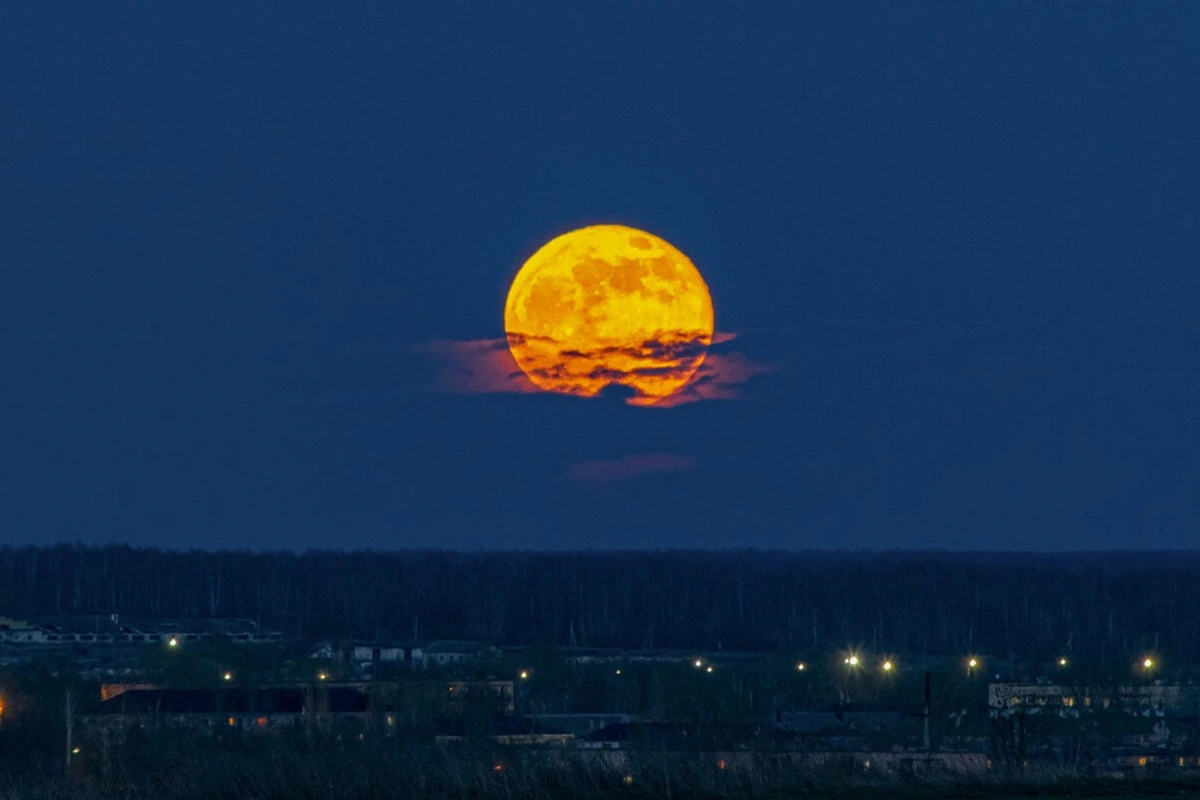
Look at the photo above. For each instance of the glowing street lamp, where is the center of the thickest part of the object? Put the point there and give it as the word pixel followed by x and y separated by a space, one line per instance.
pixel 887 666
pixel 524 675
pixel 708 669
pixel 228 676
pixel 1062 662
pixel 322 676
pixel 972 663
pixel 1148 663
pixel 801 667
pixel 698 663
pixel 173 642
pixel 850 660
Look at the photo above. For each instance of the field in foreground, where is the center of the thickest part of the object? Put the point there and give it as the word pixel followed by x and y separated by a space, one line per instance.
pixel 170 768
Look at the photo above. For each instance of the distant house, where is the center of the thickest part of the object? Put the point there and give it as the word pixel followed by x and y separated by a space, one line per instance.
pixel 503 693
pixel 377 657
pixel 324 651
pixel 110 690
pixel 503 730
pixel 1158 699
pixel 673 735
pixel 847 728
pixel 374 653
pixel 115 630
pixel 257 709
pixel 19 631
pixel 446 653
pixel 579 724
pixel 372 658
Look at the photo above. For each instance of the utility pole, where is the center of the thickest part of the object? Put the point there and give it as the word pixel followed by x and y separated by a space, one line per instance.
pixel 928 741
pixel 69 714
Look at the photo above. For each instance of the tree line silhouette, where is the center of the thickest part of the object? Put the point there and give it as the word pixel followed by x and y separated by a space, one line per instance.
pixel 1098 606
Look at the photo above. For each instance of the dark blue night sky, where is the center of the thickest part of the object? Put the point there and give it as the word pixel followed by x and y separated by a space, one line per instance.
pixel 964 238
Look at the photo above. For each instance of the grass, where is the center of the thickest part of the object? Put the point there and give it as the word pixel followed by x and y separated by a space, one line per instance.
pixel 264 770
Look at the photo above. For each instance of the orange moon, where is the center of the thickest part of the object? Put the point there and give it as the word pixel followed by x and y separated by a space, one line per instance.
pixel 606 305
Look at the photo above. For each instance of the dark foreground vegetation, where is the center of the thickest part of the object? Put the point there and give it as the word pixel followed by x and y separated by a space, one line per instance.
pixel 1103 606
pixel 750 674
pixel 175 766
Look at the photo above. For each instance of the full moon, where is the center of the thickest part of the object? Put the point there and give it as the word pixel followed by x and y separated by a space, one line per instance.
pixel 609 305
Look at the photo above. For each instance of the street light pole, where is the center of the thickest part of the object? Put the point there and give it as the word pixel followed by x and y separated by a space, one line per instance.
pixel 928 741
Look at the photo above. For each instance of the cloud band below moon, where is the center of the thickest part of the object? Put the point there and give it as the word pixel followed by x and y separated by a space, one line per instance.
pixel 486 366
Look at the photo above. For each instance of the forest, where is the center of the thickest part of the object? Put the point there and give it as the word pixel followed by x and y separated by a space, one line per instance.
pixel 1097 606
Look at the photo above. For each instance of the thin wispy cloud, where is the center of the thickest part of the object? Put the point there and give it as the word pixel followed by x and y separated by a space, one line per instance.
pixel 476 366
pixel 595 472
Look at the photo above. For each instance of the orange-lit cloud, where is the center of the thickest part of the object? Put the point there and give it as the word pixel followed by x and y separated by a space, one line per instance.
pixel 722 376
pixel 637 465
pixel 486 366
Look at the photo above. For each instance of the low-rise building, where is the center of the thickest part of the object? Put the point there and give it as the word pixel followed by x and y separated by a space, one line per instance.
pixel 114 630
pixel 1158 698
pixel 251 709
pixel 362 654
pixel 579 724
pixel 501 693
pixel 20 631
pixel 447 653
